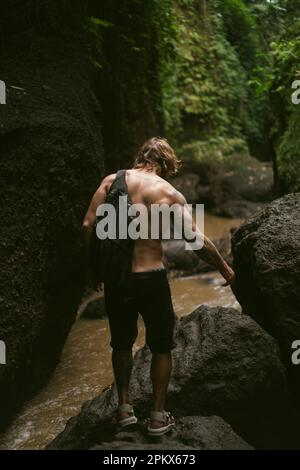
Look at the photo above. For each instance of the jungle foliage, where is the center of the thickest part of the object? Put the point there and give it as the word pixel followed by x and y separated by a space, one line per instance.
pixel 286 123
pixel 198 70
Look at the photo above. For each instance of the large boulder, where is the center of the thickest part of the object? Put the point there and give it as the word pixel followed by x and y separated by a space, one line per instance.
pixel 191 432
pixel 224 364
pixel 230 182
pixel 51 161
pixel 266 253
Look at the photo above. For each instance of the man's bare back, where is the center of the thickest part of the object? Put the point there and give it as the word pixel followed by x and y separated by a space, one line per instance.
pixel 147 188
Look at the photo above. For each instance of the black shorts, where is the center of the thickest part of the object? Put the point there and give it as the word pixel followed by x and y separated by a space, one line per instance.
pixel 148 294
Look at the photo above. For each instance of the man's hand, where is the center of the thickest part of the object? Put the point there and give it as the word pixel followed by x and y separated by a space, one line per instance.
pixel 228 274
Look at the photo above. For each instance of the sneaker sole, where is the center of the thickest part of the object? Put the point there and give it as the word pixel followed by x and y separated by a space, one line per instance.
pixel 160 431
pixel 127 422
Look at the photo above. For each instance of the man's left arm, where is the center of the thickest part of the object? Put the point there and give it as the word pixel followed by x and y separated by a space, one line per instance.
pixel 209 252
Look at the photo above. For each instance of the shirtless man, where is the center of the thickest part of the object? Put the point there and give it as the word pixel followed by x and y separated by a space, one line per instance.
pixel 149 292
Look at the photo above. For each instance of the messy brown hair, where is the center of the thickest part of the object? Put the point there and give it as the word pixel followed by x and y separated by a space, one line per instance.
pixel 157 153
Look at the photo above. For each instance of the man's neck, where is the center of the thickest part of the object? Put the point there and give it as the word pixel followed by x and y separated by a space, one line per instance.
pixel 151 170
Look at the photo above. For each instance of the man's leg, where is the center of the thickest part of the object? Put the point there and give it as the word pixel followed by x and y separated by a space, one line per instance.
pixel 122 366
pixel 155 305
pixel 161 368
pixel 122 316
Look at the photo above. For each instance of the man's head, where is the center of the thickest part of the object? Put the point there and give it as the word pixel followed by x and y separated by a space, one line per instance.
pixel 157 154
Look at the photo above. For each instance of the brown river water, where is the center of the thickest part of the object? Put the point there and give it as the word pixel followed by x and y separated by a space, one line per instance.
pixel 85 366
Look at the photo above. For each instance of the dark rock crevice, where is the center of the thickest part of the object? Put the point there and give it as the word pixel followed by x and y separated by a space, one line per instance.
pixel 51 162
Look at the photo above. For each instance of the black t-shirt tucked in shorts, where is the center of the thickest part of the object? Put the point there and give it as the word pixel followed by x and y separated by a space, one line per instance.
pixel 148 294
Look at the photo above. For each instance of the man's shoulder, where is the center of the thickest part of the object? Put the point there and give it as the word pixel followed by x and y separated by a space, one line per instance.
pixel 106 183
pixel 165 186
pixel 165 192
pixel 108 180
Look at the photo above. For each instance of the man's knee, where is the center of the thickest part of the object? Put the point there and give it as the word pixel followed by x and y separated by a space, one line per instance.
pixel 161 338
pixel 162 346
pixel 123 340
pixel 122 344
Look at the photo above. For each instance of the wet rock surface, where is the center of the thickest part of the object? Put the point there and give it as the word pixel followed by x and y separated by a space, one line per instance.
pixel 224 365
pixel 191 432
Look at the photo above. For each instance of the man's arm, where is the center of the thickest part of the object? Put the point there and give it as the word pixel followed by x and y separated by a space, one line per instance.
pixel 208 252
pixel 90 216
